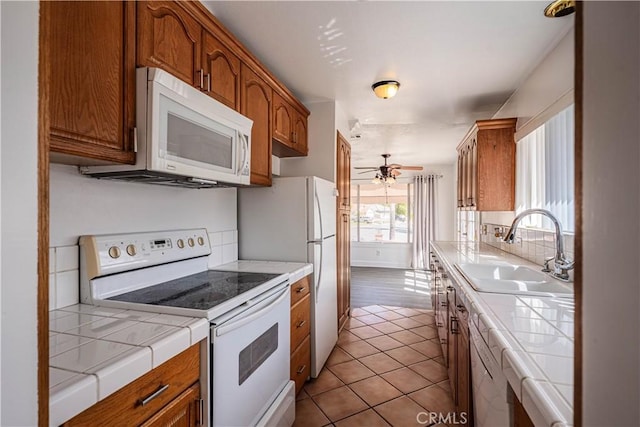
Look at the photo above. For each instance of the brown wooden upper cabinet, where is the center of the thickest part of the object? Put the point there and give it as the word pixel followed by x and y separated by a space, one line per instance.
pixel 289 129
pixel 487 166
pixel 92 81
pixel 256 101
pixel 221 71
pixel 169 38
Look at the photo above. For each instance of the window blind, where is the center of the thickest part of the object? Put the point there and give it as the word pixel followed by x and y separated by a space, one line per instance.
pixel 545 160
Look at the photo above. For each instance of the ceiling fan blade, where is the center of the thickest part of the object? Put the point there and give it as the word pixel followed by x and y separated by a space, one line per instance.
pixel 411 168
pixel 395 166
pixel 366 167
pixel 372 170
pixel 395 172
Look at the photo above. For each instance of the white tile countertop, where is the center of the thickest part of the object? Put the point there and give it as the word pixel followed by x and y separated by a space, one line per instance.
pixel 296 270
pixel 94 351
pixel 532 337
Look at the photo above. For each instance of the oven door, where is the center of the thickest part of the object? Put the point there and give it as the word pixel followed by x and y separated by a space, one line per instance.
pixel 250 360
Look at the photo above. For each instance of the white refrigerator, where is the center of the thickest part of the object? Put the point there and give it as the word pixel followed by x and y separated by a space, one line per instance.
pixel 295 220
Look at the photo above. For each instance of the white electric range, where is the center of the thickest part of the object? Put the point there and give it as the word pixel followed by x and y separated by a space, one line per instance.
pixel 166 272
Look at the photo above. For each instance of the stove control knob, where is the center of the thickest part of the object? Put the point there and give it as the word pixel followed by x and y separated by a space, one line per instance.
pixel 131 250
pixel 191 242
pixel 180 243
pixel 200 241
pixel 114 252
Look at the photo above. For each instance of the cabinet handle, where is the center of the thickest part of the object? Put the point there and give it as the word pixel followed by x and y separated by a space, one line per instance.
pixel 301 323
pixel 301 369
pixel 450 288
pixel 300 289
pixel 453 325
pixel 153 395
pixel 208 82
pixel 461 308
pixel 443 304
pixel 201 74
pixel 200 403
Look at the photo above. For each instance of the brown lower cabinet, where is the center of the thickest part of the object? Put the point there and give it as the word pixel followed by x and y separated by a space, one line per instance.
pixel 166 395
pixel 520 416
pixel 343 229
pixel 300 365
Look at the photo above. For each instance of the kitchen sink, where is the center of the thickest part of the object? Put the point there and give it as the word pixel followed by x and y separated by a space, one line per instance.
pixel 513 279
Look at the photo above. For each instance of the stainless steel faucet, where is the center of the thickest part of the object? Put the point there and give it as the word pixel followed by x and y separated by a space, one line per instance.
pixel 561 265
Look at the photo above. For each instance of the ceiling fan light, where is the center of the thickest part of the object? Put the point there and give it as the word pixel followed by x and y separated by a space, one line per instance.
pixel 386 88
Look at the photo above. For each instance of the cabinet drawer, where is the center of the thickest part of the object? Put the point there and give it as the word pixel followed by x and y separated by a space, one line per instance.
pixel 300 289
pixel 300 321
pixel 301 363
pixel 125 407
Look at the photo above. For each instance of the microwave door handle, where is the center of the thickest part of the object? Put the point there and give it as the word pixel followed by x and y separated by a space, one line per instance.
pixel 245 153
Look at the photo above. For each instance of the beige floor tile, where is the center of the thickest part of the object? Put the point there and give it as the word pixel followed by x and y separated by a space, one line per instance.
pixel 302 395
pixel 359 348
pixel 391 307
pixel 439 359
pixel 406 355
pixel 368 418
pixel 400 412
pixel 406 337
pixel 326 381
pixel 375 390
pixel 425 331
pixel 339 403
pixel 406 380
pixel 359 312
pixel 352 371
pixel 347 336
pixel 434 399
pixel 431 370
pixel 384 342
pixel 446 385
pixel 352 322
pixel 387 327
pixel 407 323
pixel 425 319
pixel 408 311
pixel 374 308
pixel 366 332
pixel 380 363
pixel 428 348
pixel 338 355
pixel 309 415
pixel 371 319
pixel 390 315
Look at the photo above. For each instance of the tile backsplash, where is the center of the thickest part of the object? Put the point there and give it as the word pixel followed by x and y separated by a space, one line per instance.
pixel 64 267
pixel 531 244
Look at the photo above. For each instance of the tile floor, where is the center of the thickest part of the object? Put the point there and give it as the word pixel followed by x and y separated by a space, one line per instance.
pixel 386 369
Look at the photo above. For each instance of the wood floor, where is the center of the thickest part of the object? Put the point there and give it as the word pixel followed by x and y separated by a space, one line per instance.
pixel 389 286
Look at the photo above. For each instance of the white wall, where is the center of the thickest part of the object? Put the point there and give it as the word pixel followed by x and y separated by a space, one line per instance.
pixel 18 178
pixel 611 212
pixel 81 205
pixel 398 255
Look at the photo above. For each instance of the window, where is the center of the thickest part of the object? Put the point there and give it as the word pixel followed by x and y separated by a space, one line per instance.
pixel 545 172
pixel 381 214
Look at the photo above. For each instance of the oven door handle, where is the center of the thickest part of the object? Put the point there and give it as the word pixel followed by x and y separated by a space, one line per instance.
pixel 253 313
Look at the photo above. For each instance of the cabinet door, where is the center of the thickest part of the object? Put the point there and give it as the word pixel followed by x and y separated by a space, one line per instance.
pixel 463 362
pixel 460 180
pixel 344 173
pixel 300 133
pixel 183 411
pixel 452 340
pixel 169 38
pixel 222 72
pixel 473 171
pixel 344 269
pixel 282 121
pixel 256 97
pixel 92 101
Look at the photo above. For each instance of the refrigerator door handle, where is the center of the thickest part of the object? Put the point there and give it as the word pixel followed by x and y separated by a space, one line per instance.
pixel 319 275
pixel 317 201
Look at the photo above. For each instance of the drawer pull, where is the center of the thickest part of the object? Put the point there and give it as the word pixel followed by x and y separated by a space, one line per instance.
pixel 301 369
pixel 300 289
pixel 153 395
pixel 301 323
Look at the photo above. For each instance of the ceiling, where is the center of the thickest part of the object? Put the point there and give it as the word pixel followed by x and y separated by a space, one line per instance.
pixel 457 62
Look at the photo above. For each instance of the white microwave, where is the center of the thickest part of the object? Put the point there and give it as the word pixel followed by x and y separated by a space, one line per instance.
pixel 183 137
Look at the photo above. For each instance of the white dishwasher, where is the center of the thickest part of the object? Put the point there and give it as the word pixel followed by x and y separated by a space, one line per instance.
pixel 491 394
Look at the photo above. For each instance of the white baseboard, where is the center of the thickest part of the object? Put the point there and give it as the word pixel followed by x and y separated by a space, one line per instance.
pixel 380 264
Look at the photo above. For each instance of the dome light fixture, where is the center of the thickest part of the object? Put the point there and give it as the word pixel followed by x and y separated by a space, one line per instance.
pixel 560 8
pixel 386 88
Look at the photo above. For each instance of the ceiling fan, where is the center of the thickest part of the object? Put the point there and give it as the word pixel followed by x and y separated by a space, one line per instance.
pixel 387 173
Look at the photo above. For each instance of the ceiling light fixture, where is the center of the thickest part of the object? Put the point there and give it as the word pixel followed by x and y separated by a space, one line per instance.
pixel 385 179
pixel 386 88
pixel 560 8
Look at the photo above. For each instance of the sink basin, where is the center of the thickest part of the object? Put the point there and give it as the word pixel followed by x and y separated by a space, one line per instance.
pixel 513 279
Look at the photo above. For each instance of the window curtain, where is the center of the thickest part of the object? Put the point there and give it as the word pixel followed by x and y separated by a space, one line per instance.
pixel 425 195
pixel 544 172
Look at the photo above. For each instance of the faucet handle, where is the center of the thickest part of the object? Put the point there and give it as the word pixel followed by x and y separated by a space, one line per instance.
pixel 546 268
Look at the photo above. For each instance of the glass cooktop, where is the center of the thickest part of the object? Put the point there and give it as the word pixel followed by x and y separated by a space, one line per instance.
pixel 201 291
